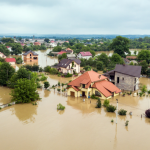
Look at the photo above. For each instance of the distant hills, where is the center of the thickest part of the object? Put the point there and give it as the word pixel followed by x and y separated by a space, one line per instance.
pixel 67 36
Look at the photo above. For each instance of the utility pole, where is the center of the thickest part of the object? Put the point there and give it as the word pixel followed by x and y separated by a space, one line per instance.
pixel 117 111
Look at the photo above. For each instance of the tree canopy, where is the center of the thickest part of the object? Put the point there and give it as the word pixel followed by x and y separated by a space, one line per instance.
pixel 6 40
pixel 116 59
pixel 6 72
pixel 17 49
pixel 144 55
pixel 4 50
pixel 46 40
pixel 120 45
pixel 25 91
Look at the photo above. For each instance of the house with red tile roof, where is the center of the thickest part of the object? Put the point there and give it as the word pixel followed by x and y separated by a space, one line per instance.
pixel 92 83
pixel 37 43
pixel 12 61
pixel 61 52
pixel 85 55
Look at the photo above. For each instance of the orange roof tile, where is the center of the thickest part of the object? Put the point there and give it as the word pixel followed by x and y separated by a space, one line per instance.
pixel 105 92
pixel 106 87
pixel 75 88
pixel 85 81
pixel 91 76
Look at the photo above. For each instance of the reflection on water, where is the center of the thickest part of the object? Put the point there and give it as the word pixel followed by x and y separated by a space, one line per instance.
pixel 79 126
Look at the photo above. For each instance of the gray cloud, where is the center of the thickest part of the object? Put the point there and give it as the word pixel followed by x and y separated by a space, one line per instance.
pixel 75 16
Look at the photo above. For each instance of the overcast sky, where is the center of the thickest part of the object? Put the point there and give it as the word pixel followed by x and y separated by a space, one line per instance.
pixel 75 16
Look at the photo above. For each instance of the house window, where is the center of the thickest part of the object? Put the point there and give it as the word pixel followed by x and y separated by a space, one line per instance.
pixel 135 80
pixel 98 94
pixel 123 79
pixel 83 85
pixel 30 54
pixel 117 79
pixel 74 65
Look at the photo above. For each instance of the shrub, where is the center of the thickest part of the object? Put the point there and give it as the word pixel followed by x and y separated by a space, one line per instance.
pixel 106 103
pixel 112 120
pixel 98 103
pixel 68 75
pixel 40 69
pixel 93 96
pixel 148 91
pixel 95 70
pixel 58 83
pixel 60 107
pixel 46 84
pixel 43 78
pixel 62 84
pixel 0 108
pixel 140 94
pixel 126 123
pixel 122 112
pixel 58 90
pixel 111 108
pixel 9 104
pixel 143 88
pixel 147 113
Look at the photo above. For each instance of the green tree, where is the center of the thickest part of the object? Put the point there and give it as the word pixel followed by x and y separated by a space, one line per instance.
pixel 116 59
pixel 64 55
pixel 6 72
pixel 93 53
pixel 144 67
pixel 46 84
pixel 120 45
pixel 46 40
pixel 19 60
pixel 2 59
pixel 135 52
pixel 104 58
pixel 25 91
pixel 4 50
pixel 100 65
pixel 6 40
pixel 57 49
pixel 17 49
pixel 144 55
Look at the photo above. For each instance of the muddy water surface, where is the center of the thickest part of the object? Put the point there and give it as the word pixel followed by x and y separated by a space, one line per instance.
pixel 80 126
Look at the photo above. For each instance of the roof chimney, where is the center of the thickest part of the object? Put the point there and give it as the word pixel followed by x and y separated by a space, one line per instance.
pixel 100 76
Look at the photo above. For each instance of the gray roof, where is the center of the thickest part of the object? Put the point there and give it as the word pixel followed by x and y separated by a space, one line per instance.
pixel 65 62
pixel 26 53
pixel 109 72
pixel 129 70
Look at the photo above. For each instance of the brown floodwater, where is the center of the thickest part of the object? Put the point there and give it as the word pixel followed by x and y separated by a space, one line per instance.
pixel 80 126
pixel 109 53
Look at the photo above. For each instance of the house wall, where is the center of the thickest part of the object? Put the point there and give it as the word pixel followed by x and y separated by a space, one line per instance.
pixel 12 63
pixel 88 92
pixel 85 57
pixel 2 55
pixel 75 68
pixel 128 83
pixel 29 58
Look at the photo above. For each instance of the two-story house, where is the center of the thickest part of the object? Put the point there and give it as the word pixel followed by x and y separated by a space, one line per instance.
pixel 92 83
pixel 125 77
pixel 69 66
pixel 30 56
pixel 85 55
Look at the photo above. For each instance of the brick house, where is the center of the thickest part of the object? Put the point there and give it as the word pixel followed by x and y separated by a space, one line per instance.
pixel 30 56
pixel 125 77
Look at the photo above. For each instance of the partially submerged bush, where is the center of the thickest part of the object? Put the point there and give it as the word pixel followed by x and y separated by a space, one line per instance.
pixel 126 123
pixel 58 90
pixel 9 104
pixel 46 84
pixel 93 96
pixel 147 113
pixel 122 112
pixel 112 120
pixel 60 107
pixel 98 103
pixel 106 103
pixel 110 108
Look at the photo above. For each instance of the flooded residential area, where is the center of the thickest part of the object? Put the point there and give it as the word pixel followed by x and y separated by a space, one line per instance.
pixel 80 126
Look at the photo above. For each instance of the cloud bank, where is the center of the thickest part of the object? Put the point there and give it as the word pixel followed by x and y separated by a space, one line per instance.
pixel 75 16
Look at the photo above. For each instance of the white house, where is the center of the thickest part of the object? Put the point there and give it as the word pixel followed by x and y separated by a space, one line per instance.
pixel 53 43
pixel 85 55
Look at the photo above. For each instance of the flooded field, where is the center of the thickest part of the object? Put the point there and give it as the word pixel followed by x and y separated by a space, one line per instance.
pixel 80 126
pixel 109 53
